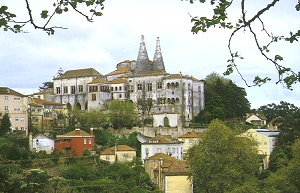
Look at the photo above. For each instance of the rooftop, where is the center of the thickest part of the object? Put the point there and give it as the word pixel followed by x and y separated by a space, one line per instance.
pixel 190 134
pixel 111 150
pixel 163 139
pixel 8 91
pixel 86 72
pixel 75 133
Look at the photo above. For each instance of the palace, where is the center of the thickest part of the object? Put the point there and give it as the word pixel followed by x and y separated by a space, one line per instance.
pixel 171 100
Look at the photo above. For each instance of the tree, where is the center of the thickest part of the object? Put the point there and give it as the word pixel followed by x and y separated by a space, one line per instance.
pixel 286 179
pixel 86 8
pixel 5 124
pixel 122 113
pixel 222 18
pixel 223 99
pixel 222 161
pixel 46 85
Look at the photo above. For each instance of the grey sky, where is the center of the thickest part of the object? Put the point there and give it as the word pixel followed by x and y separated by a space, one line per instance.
pixel 29 59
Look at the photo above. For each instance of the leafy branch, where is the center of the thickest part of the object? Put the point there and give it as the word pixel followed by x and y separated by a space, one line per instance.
pixel 8 23
pixel 286 75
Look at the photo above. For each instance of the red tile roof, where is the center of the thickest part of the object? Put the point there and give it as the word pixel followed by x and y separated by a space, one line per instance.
pixel 111 150
pixel 75 133
pixel 190 134
pixel 121 70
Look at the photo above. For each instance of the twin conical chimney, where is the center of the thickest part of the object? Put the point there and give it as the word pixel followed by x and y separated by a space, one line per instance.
pixel 144 64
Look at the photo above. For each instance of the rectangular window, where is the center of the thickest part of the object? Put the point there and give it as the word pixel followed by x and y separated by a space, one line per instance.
pixel 93 88
pixel 21 118
pixel 57 90
pixel 139 86
pixel 72 89
pixel 159 85
pixel 65 89
pixel 147 152
pixel 131 89
pixel 17 99
pixel 120 87
pixel 149 86
pixel 16 118
pixel 84 141
pixel 6 108
pixel 120 96
pixel 116 88
pixel 80 88
pixel 6 98
pixel 93 97
pixel 112 88
pixel 90 140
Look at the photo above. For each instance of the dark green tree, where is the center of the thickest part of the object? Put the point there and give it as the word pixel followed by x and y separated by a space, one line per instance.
pixel 222 161
pixel 46 85
pixel 224 16
pixel 122 114
pixel 5 124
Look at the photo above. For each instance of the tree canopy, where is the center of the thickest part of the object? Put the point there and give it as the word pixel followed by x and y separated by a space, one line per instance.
pixel 222 162
pixel 223 100
pixel 224 17
pixel 5 124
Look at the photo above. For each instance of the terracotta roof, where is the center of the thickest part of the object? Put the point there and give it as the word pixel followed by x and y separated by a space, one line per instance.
pixel 159 156
pixel 87 72
pixel 118 81
pixel 177 167
pixel 75 133
pixel 111 150
pixel 8 91
pixel 121 70
pixel 38 101
pixel 99 80
pixel 190 134
pixel 163 139
pixel 149 73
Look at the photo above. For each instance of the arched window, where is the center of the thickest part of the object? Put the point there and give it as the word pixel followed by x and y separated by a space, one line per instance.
pixel 168 85
pixel 166 122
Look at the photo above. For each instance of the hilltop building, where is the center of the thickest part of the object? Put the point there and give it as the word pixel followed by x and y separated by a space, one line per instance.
pixel 118 153
pixel 171 100
pixel 15 104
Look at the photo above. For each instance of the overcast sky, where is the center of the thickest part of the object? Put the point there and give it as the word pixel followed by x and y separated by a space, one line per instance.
pixel 28 59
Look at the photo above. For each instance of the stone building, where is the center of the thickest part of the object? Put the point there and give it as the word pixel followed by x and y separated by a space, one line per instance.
pixel 170 100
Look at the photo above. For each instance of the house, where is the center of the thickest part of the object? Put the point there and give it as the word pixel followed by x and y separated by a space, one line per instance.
pixel 15 105
pixel 118 153
pixel 266 142
pixel 189 139
pixel 162 144
pixel 41 142
pixel 168 173
pixel 75 142
pixel 47 115
pixel 256 119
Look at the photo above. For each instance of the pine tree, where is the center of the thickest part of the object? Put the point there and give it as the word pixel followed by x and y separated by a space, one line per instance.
pixel 5 125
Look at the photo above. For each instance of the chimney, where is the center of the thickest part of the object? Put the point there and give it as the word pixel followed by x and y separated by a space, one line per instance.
pixel 92 131
pixel 77 131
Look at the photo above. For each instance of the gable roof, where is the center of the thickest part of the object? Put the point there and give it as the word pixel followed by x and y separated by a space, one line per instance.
pixel 259 115
pixel 159 156
pixel 8 91
pixel 118 80
pixel 120 70
pixel 38 101
pixel 190 134
pixel 99 80
pixel 163 139
pixel 111 150
pixel 75 133
pixel 86 72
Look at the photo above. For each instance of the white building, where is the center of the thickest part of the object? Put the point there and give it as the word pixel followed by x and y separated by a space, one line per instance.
pixel 162 144
pixel 15 105
pixel 41 142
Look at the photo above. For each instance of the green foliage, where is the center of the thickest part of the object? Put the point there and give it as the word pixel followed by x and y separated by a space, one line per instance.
pixel 79 172
pixel 223 99
pixel 46 85
pixel 5 124
pixel 122 114
pixel 222 162
pixel 92 118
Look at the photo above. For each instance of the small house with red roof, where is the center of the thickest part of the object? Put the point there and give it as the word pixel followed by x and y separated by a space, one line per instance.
pixel 118 153
pixel 75 142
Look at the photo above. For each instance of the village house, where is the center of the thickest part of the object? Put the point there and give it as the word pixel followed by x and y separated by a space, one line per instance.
pixel 189 139
pixel 41 142
pixel 266 142
pixel 46 115
pixel 162 144
pixel 75 142
pixel 256 119
pixel 15 105
pixel 168 173
pixel 118 153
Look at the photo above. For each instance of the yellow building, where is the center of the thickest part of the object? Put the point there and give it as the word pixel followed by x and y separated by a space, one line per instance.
pixel 168 173
pixel 189 139
pixel 266 142
pixel 118 153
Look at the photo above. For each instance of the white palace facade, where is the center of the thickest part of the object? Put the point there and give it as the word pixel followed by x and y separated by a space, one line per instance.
pixel 171 100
